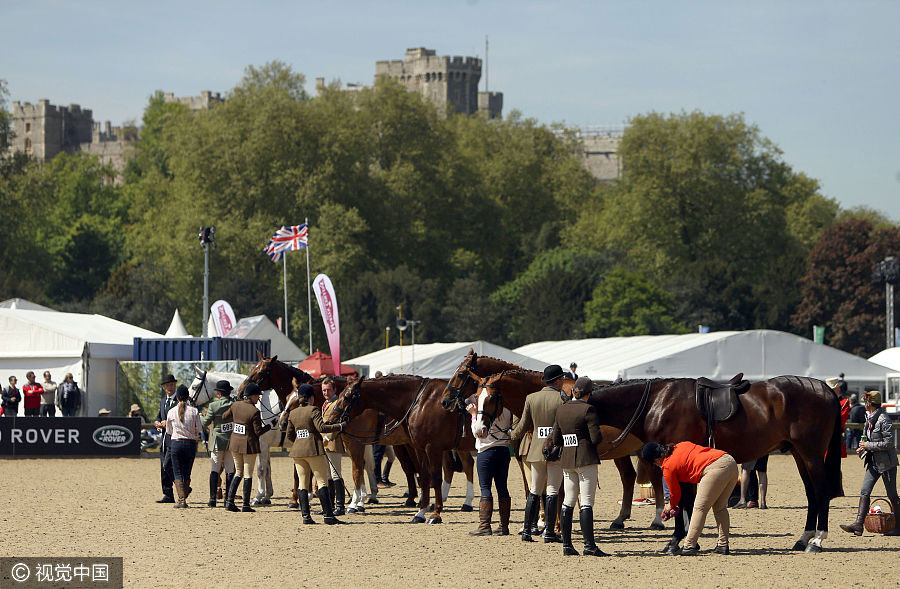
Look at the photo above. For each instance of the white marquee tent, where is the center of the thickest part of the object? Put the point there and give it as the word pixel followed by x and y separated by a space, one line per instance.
pixel 889 358
pixel 88 346
pixel 759 354
pixel 261 327
pixel 438 360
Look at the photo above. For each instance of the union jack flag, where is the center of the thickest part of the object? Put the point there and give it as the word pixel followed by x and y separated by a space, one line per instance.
pixel 286 239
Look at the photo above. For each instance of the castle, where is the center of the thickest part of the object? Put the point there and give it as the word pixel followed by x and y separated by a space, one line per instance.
pixel 44 130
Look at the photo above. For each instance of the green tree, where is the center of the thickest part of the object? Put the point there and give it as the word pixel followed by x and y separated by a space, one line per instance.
pixel 837 287
pixel 6 132
pixel 628 303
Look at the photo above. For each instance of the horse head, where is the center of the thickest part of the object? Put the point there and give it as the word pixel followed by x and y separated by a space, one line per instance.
pixel 453 399
pixel 261 373
pixel 199 389
pixel 342 409
pixel 489 402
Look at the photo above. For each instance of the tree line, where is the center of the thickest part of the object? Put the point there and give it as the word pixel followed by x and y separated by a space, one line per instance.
pixel 478 228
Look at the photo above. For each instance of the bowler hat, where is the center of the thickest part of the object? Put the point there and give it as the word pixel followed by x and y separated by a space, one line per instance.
pixel 251 389
pixel 223 386
pixel 552 372
pixel 182 393
pixel 305 390
pixel 168 378
pixel 651 451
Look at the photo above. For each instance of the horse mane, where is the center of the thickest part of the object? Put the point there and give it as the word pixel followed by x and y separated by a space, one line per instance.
pixel 519 371
pixel 635 381
pixel 389 378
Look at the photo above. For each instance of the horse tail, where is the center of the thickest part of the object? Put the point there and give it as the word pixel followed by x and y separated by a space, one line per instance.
pixel 833 456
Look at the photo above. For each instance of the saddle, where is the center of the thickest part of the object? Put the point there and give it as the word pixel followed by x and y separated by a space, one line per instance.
pixel 718 401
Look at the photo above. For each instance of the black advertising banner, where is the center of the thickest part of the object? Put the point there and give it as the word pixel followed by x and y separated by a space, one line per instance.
pixel 68 436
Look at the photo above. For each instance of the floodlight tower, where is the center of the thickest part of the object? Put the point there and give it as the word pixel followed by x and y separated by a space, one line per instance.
pixel 207 239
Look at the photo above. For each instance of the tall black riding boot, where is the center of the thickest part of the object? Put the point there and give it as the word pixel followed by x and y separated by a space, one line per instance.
pixel 587 532
pixel 565 522
pixel 550 508
pixel 385 475
pixel 325 500
pixel 304 506
pixel 895 504
pixel 531 514
pixel 213 487
pixel 231 492
pixel 856 527
pixel 338 495
pixel 248 489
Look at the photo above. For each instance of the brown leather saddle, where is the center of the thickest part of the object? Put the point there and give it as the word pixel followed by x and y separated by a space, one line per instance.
pixel 718 401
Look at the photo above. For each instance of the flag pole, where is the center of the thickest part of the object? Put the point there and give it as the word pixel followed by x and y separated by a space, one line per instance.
pixel 284 259
pixel 308 291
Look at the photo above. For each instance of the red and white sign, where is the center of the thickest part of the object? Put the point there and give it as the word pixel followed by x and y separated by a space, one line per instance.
pixel 223 317
pixel 328 306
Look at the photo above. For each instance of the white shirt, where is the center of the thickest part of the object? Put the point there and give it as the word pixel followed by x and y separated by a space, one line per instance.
pixel 498 435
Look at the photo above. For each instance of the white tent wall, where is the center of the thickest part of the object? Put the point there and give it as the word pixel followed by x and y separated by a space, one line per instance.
pixel 759 354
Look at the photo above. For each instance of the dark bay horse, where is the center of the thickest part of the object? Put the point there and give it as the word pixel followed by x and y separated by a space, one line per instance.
pixel 788 413
pixel 414 402
pixel 516 384
pixel 270 373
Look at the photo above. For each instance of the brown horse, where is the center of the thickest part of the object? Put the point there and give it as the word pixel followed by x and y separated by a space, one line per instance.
pixel 414 402
pixel 516 384
pixel 788 413
pixel 270 373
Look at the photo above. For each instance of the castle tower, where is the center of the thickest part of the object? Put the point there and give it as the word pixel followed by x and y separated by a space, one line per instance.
pixel 43 130
pixel 450 82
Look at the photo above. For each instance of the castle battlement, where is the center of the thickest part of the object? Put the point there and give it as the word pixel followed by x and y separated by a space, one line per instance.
pixel 205 101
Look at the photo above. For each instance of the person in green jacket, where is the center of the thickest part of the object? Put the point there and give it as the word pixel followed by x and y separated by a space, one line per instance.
pixel 219 456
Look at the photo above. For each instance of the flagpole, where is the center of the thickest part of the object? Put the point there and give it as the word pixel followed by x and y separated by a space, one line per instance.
pixel 308 291
pixel 284 259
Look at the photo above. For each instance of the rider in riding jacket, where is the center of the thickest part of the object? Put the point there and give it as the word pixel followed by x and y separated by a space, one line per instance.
pixel 244 443
pixel 219 456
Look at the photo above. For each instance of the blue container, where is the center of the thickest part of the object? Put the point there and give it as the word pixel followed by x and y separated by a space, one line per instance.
pixel 194 349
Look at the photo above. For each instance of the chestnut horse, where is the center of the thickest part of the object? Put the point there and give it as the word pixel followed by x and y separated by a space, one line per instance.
pixel 516 384
pixel 414 402
pixel 793 413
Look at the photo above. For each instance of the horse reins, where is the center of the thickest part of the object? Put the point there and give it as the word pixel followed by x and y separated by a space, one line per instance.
pixel 634 419
pixel 378 434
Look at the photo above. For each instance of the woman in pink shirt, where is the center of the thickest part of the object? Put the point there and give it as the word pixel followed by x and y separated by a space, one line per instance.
pixel 713 471
pixel 183 424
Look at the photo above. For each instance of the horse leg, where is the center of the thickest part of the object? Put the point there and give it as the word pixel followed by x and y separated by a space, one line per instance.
pixel 447 469
pixel 469 469
pixel 407 463
pixel 295 494
pixel 262 469
pixel 628 476
pixel 809 530
pixel 357 467
pixel 819 506
pixel 434 460
pixel 424 486
pixel 369 462
pixel 655 474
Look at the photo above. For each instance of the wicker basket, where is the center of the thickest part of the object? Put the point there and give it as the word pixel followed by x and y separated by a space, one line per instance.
pixel 879 523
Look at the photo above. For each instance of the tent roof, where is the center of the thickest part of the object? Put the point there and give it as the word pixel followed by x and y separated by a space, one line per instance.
pixel 439 360
pixel 22 304
pixel 55 334
pixel 261 327
pixel 319 364
pixel 759 354
pixel 889 357
pixel 176 328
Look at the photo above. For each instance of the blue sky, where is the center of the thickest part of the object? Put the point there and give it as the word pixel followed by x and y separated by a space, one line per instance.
pixel 821 79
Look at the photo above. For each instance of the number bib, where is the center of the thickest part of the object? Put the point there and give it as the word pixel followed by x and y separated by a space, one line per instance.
pixel 302 434
pixel 544 432
pixel 240 429
pixel 226 428
pixel 570 440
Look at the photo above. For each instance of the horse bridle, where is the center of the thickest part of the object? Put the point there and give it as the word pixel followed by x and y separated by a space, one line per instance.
pixel 344 412
pixel 353 396
pixel 202 385
pixel 498 405
pixel 456 394
pixel 265 374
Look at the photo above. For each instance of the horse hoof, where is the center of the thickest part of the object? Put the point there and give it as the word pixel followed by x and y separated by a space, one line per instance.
pixel 657 526
pixel 466 508
pixel 410 502
pixel 293 506
pixel 616 525
pixel 418 520
pixel 435 520
pixel 799 546
pixel 813 548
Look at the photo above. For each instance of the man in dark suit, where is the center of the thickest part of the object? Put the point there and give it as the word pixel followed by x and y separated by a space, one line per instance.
pixel 167 476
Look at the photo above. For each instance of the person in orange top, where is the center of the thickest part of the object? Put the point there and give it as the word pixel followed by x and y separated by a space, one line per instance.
pixel 713 471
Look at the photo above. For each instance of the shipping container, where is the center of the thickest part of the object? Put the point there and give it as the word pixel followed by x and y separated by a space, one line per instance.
pixel 195 349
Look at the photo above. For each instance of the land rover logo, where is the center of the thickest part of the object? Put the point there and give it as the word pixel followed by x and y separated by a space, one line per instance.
pixel 112 436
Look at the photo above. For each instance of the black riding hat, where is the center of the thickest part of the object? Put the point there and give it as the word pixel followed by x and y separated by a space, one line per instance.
pixel 168 378
pixel 552 372
pixel 223 386
pixel 652 451
pixel 251 389
pixel 182 394
pixel 305 391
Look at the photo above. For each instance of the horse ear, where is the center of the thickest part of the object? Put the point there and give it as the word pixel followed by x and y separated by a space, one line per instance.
pixel 261 357
pixel 275 357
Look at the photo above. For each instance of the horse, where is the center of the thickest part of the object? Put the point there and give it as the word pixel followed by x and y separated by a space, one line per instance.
pixel 201 388
pixel 788 413
pixel 516 384
pixel 414 402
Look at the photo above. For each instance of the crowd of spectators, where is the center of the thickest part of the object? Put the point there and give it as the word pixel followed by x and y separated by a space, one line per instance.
pixel 40 399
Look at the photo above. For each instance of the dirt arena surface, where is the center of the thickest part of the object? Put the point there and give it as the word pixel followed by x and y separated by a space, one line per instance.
pixel 105 507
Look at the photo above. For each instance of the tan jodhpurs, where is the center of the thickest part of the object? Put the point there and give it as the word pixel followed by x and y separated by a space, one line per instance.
pixel 713 490
pixel 244 464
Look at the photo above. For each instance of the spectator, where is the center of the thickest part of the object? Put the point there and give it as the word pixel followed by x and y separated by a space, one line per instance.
pixel 69 396
pixel 166 473
pixel 11 398
pixel 183 425
pixel 760 466
pixel 48 399
pixel 573 371
pixel 858 416
pixel 103 412
pixel 136 412
pixel 32 391
pixel 334 450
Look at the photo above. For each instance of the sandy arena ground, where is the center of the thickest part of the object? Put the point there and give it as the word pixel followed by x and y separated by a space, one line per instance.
pixel 105 507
